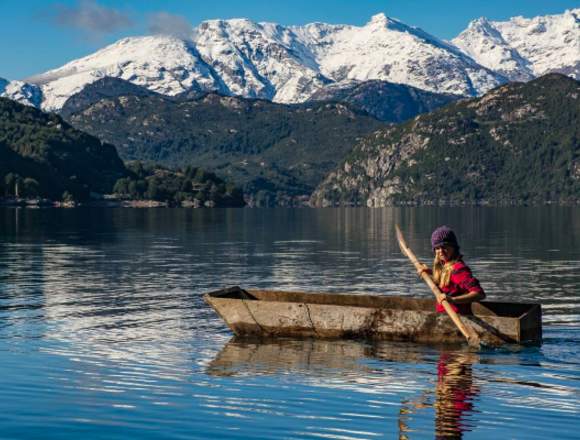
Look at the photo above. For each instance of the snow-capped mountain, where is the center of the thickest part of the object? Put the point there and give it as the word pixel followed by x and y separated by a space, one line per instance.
pixel 259 60
pixel 290 64
pixel 20 91
pixel 163 64
pixel 266 60
pixel 389 50
pixel 523 48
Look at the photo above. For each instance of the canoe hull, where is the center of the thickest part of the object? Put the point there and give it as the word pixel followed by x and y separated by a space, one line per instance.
pixel 335 316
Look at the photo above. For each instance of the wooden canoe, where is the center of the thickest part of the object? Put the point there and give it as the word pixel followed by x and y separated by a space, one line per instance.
pixel 266 313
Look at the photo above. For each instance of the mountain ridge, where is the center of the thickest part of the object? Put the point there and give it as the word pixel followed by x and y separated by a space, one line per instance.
pixel 385 101
pixel 284 64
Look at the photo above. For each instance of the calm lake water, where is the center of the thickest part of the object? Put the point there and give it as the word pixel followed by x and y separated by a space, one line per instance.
pixel 104 334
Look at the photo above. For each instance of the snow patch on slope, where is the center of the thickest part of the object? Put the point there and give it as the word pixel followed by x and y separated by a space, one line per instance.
pixel 22 92
pixel 258 60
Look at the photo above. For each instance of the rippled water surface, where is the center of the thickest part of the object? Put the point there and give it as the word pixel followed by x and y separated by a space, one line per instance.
pixel 104 334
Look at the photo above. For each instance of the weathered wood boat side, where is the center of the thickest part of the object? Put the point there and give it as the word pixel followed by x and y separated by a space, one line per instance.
pixel 267 313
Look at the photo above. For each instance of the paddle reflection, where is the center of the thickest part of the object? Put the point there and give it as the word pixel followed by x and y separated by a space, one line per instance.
pixel 450 398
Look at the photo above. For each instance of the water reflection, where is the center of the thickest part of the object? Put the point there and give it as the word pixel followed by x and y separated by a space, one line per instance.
pixel 454 394
pixel 453 397
pixel 315 357
pixel 450 398
pixel 519 253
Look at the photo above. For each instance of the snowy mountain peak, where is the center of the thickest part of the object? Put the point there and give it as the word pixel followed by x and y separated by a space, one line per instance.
pixel 162 63
pixel 523 48
pixel 573 14
pixel 481 24
pixel 571 18
pixel 379 19
pixel 388 50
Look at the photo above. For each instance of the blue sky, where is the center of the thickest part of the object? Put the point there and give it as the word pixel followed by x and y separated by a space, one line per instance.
pixel 38 35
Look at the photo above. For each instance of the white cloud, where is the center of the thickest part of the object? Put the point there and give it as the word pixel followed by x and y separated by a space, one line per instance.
pixel 169 24
pixel 90 18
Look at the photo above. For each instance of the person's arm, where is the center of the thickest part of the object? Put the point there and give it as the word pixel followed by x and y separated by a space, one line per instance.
pixel 465 279
pixel 469 297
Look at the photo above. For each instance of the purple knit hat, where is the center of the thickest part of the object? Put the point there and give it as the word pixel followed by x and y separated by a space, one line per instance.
pixel 443 235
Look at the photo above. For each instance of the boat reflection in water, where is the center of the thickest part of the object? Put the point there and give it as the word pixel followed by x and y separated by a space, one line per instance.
pixel 379 368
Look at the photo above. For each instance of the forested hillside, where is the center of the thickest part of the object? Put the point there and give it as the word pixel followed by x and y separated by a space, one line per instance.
pixel 42 155
pixel 518 144
pixel 278 153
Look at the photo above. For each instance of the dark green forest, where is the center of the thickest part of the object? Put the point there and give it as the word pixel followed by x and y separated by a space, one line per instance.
pixel 276 152
pixel 521 147
pixel 191 186
pixel 42 156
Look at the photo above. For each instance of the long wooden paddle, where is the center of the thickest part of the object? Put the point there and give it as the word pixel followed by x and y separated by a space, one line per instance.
pixel 467 331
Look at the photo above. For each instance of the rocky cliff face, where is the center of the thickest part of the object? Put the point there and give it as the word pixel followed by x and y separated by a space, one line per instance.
pixel 517 144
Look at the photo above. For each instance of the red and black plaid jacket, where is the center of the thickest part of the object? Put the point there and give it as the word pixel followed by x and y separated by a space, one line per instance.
pixel 461 281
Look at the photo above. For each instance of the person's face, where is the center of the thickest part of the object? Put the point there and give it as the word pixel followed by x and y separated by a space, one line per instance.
pixel 445 253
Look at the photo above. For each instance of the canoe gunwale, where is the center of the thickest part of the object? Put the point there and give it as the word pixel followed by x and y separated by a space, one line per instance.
pixel 484 308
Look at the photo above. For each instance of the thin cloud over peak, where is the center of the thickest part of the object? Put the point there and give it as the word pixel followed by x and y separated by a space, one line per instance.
pixel 90 18
pixel 170 24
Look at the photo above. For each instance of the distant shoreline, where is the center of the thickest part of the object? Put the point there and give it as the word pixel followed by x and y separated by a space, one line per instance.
pixel 111 203
pixel 47 203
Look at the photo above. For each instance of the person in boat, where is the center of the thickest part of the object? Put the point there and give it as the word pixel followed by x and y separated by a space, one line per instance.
pixel 451 274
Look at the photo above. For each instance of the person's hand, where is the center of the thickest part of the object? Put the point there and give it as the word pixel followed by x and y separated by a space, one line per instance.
pixel 424 269
pixel 444 297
